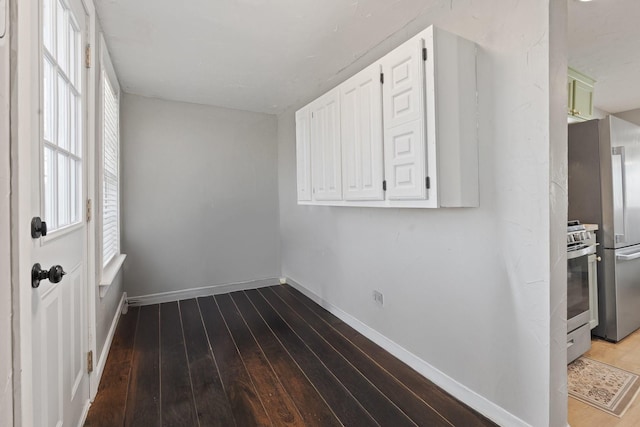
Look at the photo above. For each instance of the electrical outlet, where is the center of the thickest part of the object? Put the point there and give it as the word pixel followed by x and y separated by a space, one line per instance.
pixel 378 298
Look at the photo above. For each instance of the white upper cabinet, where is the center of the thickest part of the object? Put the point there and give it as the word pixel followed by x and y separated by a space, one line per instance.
pixel 408 121
pixel 326 165
pixel 361 129
pixel 303 154
pixel 404 122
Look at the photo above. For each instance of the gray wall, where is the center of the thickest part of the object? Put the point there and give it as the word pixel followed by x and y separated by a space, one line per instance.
pixel 107 305
pixel 632 116
pixel 199 196
pixel 466 290
pixel 6 340
pixel 599 114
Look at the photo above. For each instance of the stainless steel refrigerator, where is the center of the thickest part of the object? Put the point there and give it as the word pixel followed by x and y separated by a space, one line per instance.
pixel 604 188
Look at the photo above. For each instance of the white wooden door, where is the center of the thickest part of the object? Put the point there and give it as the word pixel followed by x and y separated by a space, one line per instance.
pixel 326 163
pixel 404 123
pixel 59 310
pixel 361 135
pixel 303 154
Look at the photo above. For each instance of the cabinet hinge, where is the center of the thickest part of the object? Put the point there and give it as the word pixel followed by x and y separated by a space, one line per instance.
pixel 90 361
pixel 381 78
pixel 424 53
pixel 384 185
pixel 87 56
pixel 427 182
pixel 89 210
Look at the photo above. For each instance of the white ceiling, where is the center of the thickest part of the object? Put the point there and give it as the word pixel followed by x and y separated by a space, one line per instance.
pixel 604 43
pixel 255 55
pixel 266 55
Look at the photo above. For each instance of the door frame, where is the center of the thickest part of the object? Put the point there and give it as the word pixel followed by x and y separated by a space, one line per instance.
pixel 25 125
pixel 92 279
pixel 6 409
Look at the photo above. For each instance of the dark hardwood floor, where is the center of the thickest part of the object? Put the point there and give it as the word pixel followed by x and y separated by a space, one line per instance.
pixel 265 357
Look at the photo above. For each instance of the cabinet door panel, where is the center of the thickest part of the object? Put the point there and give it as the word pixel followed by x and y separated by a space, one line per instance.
pixel 405 162
pixel 580 91
pixel 303 154
pixel 570 96
pixel 582 99
pixel 404 122
pixel 361 128
pixel 403 87
pixel 325 144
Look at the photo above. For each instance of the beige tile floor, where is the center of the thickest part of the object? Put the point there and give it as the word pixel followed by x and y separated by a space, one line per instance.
pixel 624 355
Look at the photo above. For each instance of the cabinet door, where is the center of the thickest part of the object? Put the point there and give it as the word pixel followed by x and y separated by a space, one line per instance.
pixel 570 82
pixel 404 122
pixel 404 154
pixel 361 130
pixel 326 164
pixel 580 90
pixel 582 99
pixel 303 154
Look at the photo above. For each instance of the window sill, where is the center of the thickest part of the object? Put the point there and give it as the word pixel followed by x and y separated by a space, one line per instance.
pixel 109 274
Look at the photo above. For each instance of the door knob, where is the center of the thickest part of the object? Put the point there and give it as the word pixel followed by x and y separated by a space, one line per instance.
pixel 54 274
pixel 38 227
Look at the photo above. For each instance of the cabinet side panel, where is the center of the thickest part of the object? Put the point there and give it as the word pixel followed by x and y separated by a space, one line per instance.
pixel 303 155
pixel 456 117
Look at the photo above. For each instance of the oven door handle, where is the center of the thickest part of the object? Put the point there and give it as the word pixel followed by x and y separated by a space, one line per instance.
pixel 628 257
pixel 582 252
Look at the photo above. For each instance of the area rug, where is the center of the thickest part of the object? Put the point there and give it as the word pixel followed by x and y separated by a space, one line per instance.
pixel 602 386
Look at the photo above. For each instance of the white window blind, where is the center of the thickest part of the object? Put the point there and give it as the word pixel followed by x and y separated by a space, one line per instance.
pixel 110 184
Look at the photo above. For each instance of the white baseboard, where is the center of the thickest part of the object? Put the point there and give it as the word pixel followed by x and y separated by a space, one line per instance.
pixel 85 412
pixel 102 360
pixel 172 296
pixel 461 392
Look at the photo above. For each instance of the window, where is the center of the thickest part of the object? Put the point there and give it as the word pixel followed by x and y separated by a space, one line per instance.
pixel 109 152
pixel 110 178
pixel 62 116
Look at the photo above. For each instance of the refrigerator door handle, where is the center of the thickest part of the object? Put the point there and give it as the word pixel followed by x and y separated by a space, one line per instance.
pixel 619 194
pixel 628 257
